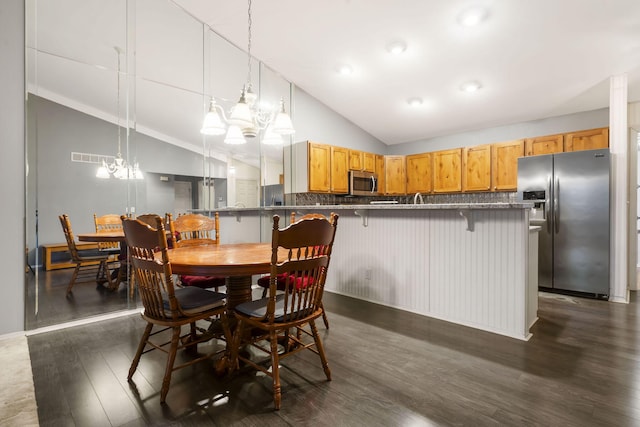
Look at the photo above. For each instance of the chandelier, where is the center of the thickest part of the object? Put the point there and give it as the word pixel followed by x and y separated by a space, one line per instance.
pixel 246 118
pixel 119 168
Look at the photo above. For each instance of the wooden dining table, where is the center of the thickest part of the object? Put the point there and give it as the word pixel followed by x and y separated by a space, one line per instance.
pixel 108 237
pixel 235 261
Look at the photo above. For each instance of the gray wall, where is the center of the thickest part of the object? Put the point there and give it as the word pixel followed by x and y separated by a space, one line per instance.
pixel 12 171
pixel 550 126
pixel 63 186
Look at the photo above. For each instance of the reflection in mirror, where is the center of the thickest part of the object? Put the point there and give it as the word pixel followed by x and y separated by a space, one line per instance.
pixel 79 106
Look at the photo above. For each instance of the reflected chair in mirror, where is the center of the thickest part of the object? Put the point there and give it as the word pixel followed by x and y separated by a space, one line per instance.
pixel 263 281
pixel 286 319
pixel 170 308
pixel 87 268
pixel 107 224
pixel 196 230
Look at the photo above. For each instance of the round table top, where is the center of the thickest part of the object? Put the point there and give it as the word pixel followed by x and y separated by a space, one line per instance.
pixel 235 259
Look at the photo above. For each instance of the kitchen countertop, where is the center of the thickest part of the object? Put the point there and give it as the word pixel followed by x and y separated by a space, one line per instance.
pixel 425 206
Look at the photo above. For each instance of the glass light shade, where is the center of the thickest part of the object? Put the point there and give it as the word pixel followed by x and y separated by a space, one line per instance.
pixel 102 172
pixel 282 124
pixel 213 124
pixel 241 115
pixel 271 138
pixel 234 136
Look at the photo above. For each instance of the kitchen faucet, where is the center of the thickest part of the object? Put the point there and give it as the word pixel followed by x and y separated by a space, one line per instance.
pixel 416 197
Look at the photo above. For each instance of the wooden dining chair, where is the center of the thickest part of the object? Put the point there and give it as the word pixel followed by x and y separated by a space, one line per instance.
pixel 87 268
pixel 281 279
pixel 169 307
pixel 105 224
pixel 196 230
pixel 288 317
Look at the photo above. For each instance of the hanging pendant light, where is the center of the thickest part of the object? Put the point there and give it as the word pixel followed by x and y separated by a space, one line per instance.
pixel 246 119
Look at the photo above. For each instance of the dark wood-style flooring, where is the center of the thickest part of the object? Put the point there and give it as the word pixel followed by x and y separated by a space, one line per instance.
pixel 390 368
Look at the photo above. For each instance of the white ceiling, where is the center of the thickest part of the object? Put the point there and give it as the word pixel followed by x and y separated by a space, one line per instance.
pixel 534 59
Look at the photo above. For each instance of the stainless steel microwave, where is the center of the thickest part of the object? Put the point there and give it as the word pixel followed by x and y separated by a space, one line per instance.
pixel 363 183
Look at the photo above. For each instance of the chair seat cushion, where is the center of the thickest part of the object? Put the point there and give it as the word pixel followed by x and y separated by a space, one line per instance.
pixel 258 308
pixel 281 280
pixel 196 300
pixel 203 281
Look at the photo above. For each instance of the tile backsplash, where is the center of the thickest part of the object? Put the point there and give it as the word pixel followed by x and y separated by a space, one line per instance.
pixel 304 199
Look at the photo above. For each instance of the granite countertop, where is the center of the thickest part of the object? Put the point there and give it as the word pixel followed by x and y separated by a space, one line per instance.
pixel 427 206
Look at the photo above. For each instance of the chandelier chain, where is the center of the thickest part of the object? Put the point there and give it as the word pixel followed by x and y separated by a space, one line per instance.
pixel 249 22
pixel 118 104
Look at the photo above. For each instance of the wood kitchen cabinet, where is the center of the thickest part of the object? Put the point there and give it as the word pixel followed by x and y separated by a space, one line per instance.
pixel 544 145
pixel 504 164
pixel 395 175
pixel 319 167
pixel 339 170
pixel 419 173
pixel 587 140
pixel 476 168
pixel 369 162
pixel 379 170
pixel 447 171
pixel 355 160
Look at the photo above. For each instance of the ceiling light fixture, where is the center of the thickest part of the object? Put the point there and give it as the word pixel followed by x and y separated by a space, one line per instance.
pixel 246 119
pixel 472 16
pixel 345 70
pixel 471 86
pixel 415 102
pixel 397 47
pixel 119 168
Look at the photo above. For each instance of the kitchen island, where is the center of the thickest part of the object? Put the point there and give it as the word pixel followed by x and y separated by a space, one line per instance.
pixel 473 264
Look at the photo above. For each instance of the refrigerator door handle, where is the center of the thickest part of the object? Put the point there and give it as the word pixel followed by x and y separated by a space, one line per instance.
pixel 556 205
pixel 547 205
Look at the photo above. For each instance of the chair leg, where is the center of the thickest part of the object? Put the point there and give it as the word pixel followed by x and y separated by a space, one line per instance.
pixel 320 348
pixel 73 278
pixel 275 369
pixel 141 345
pixel 166 381
pixel 234 362
pixel 324 317
pixel 264 292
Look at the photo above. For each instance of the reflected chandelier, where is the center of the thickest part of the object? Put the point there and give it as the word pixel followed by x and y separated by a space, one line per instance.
pixel 246 119
pixel 119 168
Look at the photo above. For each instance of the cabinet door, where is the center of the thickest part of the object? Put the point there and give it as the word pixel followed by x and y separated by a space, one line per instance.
pixel 544 145
pixel 587 139
pixel 395 175
pixel 369 162
pixel 447 171
pixel 319 170
pixel 380 172
pixel 476 170
pixel 355 160
pixel 419 173
pixel 339 170
pixel 504 164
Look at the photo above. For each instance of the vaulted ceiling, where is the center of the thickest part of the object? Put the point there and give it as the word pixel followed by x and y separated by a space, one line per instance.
pixel 532 59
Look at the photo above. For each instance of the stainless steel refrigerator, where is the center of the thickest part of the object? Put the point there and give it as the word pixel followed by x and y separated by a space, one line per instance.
pixel 570 192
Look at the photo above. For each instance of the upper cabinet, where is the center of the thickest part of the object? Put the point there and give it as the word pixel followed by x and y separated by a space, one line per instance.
pixel 319 170
pixel 587 140
pixel 395 175
pixel 355 160
pixel 447 171
pixel 544 145
pixel 339 170
pixel 476 170
pixel 369 162
pixel 379 170
pixel 504 164
pixel 419 173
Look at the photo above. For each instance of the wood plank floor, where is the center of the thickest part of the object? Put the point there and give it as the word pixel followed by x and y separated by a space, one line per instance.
pixel 390 368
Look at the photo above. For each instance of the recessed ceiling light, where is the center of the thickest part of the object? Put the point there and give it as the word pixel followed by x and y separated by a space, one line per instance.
pixel 397 47
pixel 345 69
pixel 472 16
pixel 415 102
pixel 472 86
